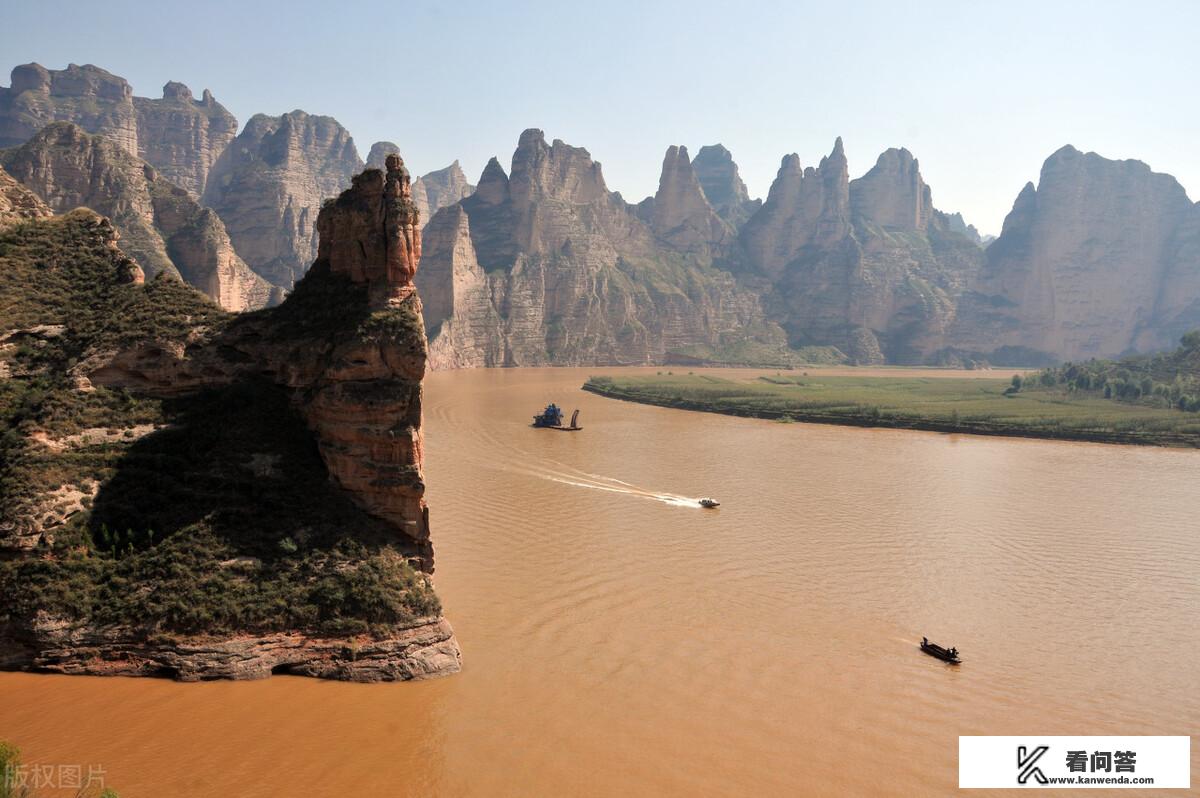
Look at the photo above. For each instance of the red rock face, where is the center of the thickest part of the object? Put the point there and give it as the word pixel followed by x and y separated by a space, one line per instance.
pixel 373 233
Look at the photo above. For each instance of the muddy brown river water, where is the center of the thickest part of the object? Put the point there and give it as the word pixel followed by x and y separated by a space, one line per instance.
pixel 618 640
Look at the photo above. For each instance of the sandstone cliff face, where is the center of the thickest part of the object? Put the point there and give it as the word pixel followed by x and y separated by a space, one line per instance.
pixel 19 204
pixel 268 186
pixel 430 192
pixel 346 353
pixel 178 135
pixel 680 214
pixel 805 207
pixel 547 266
pixel 867 266
pixel 182 137
pixel 723 186
pixel 92 98
pixel 892 194
pixel 160 225
pixel 1098 260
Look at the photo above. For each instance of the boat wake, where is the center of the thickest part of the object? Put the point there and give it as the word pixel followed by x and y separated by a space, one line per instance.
pixel 582 479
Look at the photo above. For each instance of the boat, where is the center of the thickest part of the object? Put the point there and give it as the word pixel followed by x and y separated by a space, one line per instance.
pixel 552 418
pixel 944 654
pixel 709 503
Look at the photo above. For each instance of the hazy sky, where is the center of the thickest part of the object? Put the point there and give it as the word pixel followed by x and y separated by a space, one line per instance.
pixel 980 92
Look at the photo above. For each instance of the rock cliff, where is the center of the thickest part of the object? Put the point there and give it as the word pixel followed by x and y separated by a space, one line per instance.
pixel 92 98
pixel 161 226
pixel 182 137
pixel 1100 259
pixel 723 186
pixel 255 551
pixel 547 266
pixel 680 214
pixel 268 186
pixel 178 135
pixel 430 192
pixel 866 266
pixel 19 204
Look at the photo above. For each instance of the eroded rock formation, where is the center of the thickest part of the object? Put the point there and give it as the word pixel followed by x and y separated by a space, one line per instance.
pixel 161 226
pixel 178 135
pixel 268 186
pixel 346 352
pixel 1098 260
pixel 679 213
pixel 866 266
pixel 19 204
pixel 547 266
pixel 723 186
pixel 182 137
pixel 430 192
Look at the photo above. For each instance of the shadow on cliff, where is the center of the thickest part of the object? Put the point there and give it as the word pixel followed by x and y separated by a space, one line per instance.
pixel 237 463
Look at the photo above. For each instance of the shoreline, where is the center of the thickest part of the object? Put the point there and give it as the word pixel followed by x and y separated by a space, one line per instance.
pixel 963 427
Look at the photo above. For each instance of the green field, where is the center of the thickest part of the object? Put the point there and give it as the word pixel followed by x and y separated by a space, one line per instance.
pixel 944 404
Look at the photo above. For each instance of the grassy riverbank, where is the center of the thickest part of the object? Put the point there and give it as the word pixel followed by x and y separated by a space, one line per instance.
pixel 945 404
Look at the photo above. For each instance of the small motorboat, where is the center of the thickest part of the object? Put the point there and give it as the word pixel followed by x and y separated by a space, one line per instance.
pixel 944 654
pixel 709 503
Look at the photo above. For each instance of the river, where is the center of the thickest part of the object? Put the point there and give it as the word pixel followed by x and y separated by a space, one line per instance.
pixel 619 640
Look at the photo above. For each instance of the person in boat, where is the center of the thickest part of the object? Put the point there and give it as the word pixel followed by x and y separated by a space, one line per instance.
pixel 924 641
pixel 954 653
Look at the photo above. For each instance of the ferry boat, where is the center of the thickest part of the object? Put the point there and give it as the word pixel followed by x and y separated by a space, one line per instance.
pixel 552 418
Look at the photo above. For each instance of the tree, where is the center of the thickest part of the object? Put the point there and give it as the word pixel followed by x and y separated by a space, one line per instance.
pixel 1016 382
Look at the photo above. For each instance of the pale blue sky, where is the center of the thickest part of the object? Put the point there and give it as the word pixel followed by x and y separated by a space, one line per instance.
pixel 980 92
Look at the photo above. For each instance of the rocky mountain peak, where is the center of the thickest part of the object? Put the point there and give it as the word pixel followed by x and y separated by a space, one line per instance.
pixel 680 214
pixel 803 207
pixel 719 177
pixel 493 184
pixel 372 233
pixel 558 171
pixel 160 225
pixel 380 150
pixel 268 186
pixel 175 91
pixel 1091 263
pixel 893 194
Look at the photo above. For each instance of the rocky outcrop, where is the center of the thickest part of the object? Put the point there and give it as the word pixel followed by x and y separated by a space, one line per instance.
pixel 805 207
pixel 441 188
pixel 680 214
pixel 182 137
pixel 19 204
pixel 269 184
pixel 96 100
pixel 430 192
pixel 1099 259
pixel 547 266
pixel 178 135
pixel 161 226
pixel 723 186
pixel 866 266
pixel 355 376
pixel 421 650
pixel 346 354
pixel 892 195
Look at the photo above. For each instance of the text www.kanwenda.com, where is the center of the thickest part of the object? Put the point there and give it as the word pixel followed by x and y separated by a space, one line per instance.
pixel 1100 780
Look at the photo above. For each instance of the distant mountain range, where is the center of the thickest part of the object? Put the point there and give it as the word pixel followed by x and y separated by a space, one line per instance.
pixel 543 264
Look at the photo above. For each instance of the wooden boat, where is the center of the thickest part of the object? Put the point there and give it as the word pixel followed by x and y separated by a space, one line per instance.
pixel 551 418
pixel 944 654
pixel 710 503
